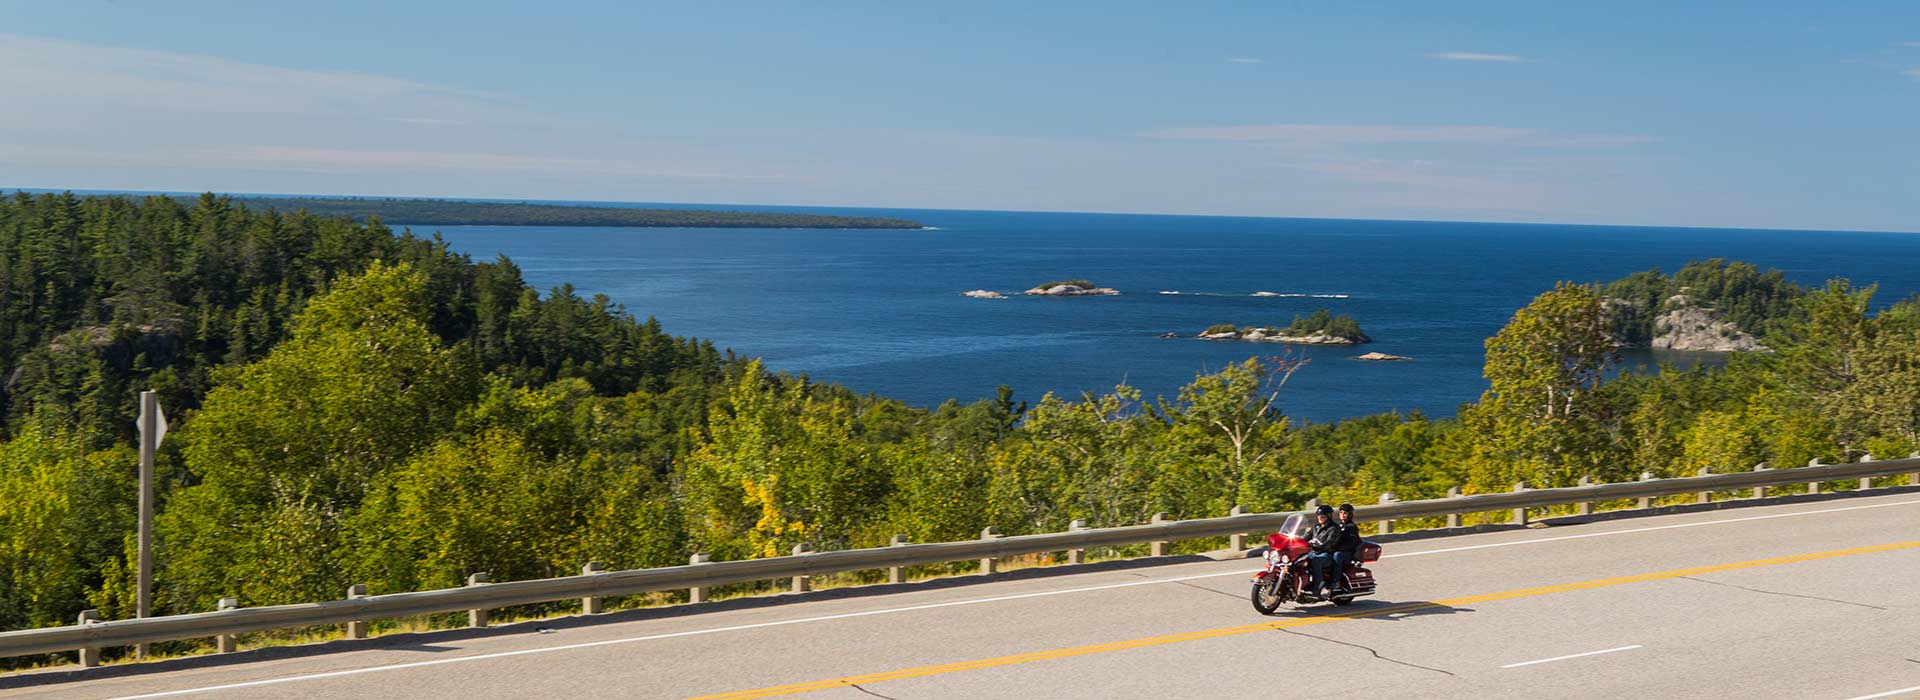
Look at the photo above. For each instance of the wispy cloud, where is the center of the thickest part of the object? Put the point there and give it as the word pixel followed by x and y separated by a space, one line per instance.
pixel 1911 44
pixel 1330 135
pixel 1912 72
pixel 1244 60
pixel 1486 57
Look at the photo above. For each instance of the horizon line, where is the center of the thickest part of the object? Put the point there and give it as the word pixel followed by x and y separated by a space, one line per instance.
pixel 592 202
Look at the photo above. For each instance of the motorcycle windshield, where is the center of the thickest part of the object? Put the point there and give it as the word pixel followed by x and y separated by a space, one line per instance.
pixel 1295 527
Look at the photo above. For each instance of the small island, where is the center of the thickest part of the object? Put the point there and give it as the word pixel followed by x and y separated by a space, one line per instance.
pixel 1321 328
pixel 1070 288
pixel 983 294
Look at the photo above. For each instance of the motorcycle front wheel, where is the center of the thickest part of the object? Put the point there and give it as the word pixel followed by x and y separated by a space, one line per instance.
pixel 1265 599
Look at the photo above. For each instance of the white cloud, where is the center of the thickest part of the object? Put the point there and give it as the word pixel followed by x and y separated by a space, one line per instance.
pixel 1330 135
pixel 85 115
pixel 1914 72
pixel 1467 56
pixel 1244 60
pixel 1911 44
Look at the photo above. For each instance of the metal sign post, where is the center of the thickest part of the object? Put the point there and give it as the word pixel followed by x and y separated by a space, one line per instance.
pixel 153 427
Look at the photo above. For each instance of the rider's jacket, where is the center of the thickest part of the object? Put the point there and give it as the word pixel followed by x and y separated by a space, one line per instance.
pixel 1349 541
pixel 1324 538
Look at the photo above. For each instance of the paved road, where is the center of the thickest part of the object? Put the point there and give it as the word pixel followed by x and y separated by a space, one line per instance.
pixel 1807 600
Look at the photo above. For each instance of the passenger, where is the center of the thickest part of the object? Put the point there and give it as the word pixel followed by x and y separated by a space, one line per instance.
pixel 1347 550
pixel 1323 539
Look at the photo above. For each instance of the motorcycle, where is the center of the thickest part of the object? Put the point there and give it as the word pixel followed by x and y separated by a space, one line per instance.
pixel 1284 580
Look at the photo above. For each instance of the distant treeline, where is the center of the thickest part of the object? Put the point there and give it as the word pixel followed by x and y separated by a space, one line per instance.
pixel 457 213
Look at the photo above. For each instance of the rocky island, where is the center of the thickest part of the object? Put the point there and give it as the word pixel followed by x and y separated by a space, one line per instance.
pixel 1321 328
pixel 1381 357
pixel 983 294
pixel 1070 288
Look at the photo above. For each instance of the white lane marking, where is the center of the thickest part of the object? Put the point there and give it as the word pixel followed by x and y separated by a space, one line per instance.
pixel 1887 694
pixel 930 606
pixel 1645 529
pixel 1572 656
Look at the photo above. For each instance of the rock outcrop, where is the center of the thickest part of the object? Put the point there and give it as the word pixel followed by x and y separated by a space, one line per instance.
pixel 1686 327
pixel 1278 335
pixel 1071 289
pixel 983 294
pixel 1380 357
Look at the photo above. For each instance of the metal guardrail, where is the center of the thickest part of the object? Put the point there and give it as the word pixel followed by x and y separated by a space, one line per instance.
pixel 480 596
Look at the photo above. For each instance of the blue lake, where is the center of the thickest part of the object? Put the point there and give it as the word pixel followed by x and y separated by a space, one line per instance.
pixel 881 311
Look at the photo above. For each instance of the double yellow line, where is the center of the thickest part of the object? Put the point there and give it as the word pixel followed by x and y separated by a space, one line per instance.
pixel 1284 624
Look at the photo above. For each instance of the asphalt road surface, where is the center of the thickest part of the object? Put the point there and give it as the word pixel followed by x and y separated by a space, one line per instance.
pixel 1816 599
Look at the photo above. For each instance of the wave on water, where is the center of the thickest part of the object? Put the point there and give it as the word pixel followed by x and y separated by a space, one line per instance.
pixel 1196 294
pixel 1299 295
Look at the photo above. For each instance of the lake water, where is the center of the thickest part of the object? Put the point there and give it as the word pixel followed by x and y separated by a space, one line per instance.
pixel 881 311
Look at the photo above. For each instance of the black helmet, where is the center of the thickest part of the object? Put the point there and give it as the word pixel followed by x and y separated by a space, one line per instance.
pixel 1346 508
pixel 1325 510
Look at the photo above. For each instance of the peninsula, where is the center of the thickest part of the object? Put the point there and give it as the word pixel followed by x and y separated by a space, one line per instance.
pixel 461 213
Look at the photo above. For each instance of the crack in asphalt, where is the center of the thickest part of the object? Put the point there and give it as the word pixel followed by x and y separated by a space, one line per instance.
pixel 1195 587
pixel 1370 651
pixel 856 686
pixel 1791 595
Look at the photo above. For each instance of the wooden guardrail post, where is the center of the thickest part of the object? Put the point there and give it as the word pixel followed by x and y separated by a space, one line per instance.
pixel 1453 519
pixel 1237 541
pixel 1704 496
pixel 1520 514
pixel 987 563
pixel 1813 487
pixel 226 643
pixel 1866 482
pixel 1913 479
pixel 1584 507
pixel 1761 491
pixel 477 617
pixel 1386 526
pixel 356 629
pixel 89 656
pixel 697 594
pixel 1076 556
pixel 1646 501
pixel 897 574
pixel 590 605
pixel 800 584
pixel 1157 548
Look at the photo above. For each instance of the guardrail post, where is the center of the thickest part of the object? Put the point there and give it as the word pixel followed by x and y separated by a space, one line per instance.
pixel 1076 556
pixel 1705 496
pixel 1584 507
pixel 1519 514
pixel 1914 478
pixel 986 563
pixel 89 656
pixel 1761 491
pixel 1646 501
pixel 1313 504
pixel 1453 519
pixel 800 584
pixel 590 605
pixel 477 618
pixel 697 594
pixel 226 643
pixel 1813 487
pixel 1237 541
pixel 1386 526
pixel 897 574
pixel 356 629
pixel 1866 482
pixel 1157 548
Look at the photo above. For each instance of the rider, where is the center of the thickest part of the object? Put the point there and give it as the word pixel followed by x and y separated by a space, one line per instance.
pixel 1324 539
pixel 1347 549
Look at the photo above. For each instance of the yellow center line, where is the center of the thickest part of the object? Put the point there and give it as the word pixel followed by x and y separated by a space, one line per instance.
pixel 1284 624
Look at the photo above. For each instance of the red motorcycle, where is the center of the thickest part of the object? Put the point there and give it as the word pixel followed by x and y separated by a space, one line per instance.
pixel 1286 576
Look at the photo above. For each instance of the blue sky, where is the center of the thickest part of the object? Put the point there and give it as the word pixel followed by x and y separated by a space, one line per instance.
pixel 1793 115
